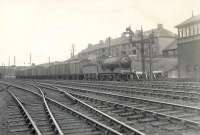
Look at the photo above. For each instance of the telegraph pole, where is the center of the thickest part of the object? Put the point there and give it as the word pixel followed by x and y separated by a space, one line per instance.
pixel 9 65
pixel 151 42
pixel 109 47
pixel 73 50
pixel 9 61
pixel 14 61
pixel 150 62
pixel 2 69
pixel 49 65
pixel 142 52
pixel 30 59
pixel 49 60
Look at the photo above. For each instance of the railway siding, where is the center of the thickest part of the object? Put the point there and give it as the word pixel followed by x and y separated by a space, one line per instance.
pixel 126 129
pixel 90 121
pixel 133 98
pixel 106 109
pixel 145 112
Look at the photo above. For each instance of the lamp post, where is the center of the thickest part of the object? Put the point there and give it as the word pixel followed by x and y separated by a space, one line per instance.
pixel 142 52
pixel 109 47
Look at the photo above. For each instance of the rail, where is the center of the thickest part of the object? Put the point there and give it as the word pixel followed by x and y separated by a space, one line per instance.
pixel 128 88
pixel 146 100
pixel 97 124
pixel 27 116
pixel 129 97
pixel 52 119
pixel 124 126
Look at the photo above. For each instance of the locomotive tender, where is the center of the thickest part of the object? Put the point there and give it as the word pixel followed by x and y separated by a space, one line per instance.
pixel 112 68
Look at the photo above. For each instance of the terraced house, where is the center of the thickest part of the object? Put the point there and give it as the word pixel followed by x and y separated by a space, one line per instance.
pixel 163 49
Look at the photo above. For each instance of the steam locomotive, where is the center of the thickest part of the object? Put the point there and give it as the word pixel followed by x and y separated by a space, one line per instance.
pixel 111 68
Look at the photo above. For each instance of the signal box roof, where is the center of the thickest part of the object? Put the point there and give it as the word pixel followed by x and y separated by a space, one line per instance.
pixel 191 20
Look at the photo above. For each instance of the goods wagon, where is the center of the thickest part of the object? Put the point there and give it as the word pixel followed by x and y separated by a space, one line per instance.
pixel 75 70
pixel 42 72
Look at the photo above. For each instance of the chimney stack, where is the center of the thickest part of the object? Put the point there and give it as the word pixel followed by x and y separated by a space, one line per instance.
pixel 160 26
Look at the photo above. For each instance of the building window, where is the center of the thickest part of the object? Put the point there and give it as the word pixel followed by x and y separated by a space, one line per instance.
pixel 191 30
pixel 195 29
pixel 198 28
pixel 134 52
pixel 196 67
pixel 180 33
pixel 146 52
pixel 165 53
pixel 188 31
pixel 154 52
pixel 188 68
pixel 123 52
pixel 133 45
pixel 184 32
pixel 174 52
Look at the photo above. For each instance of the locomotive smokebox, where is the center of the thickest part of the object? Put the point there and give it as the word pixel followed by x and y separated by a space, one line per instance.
pixel 116 62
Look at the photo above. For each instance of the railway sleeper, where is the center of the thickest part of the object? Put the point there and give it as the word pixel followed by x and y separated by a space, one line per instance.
pixel 169 119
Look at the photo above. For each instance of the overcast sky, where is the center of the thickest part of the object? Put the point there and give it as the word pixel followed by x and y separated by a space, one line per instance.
pixel 49 27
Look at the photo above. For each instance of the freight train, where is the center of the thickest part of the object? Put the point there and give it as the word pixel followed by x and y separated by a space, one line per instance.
pixel 111 68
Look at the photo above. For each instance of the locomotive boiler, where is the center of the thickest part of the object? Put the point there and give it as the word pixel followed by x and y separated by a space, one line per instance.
pixel 112 63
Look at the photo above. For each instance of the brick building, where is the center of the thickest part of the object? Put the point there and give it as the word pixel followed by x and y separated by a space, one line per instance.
pixel 162 38
pixel 189 48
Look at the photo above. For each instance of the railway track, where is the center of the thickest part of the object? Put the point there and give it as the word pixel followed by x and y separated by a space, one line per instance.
pixel 169 85
pixel 183 94
pixel 182 97
pixel 22 120
pixel 80 124
pixel 80 106
pixel 192 86
pixel 184 86
pixel 16 121
pixel 152 118
pixel 145 115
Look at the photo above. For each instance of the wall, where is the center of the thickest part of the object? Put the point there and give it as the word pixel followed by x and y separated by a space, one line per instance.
pixel 188 59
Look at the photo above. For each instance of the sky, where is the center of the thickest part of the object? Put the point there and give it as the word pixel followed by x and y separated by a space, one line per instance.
pixel 48 28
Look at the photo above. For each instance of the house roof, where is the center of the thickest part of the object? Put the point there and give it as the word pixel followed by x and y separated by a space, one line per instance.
pixel 193 19
pixel 158 32
pixel 47 64
pixel 113 42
